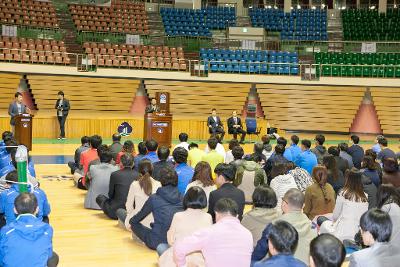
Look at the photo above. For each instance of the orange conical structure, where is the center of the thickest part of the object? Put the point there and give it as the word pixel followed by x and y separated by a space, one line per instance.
pixel 366 119
pixel 139 102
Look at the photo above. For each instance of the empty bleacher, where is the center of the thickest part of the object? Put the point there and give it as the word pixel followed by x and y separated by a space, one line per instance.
pixel 196 99
pixel 14 49
pixel 8 87
pixel 85 94
pixel 303 24
pixel 312 108
pixel 386 101
pixel 136 56
pixel 121 17
pixel 28 13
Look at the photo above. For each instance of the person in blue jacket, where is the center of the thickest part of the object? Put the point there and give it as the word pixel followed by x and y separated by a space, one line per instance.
pixel 8 196
pixel 27 241
pixel 294 149
pixel 306 159
pixel 184 171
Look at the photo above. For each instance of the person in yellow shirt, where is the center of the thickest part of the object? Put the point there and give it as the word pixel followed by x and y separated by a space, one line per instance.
pixel 213 157
pixel 195 155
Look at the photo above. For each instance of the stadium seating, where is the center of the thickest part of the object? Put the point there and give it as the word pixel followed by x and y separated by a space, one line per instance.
pixel 386 101
pixel 369 25
pixel 136 56
pixel 302 24
pixel 33 50
pixel 365 64
pixel 28 13
pixel 250 61
pixel 192 22
pixel 120 17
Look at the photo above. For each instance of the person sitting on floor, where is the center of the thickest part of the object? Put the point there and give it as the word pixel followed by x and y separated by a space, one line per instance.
pixel 184 171
pixel 229 156
pixel 128 147
pixel 142 149
pixel 202 178
pixel 302 178
pixel 326 251
pixel 75 165
pixel 306 159
pixel 195 154
pixel 183 138
pixel 319 150
pixel 163 155
pixel 151 146
pixel 213 157
pixel 116 145
pixel 86 157
pixel 281 183
pixel 275 159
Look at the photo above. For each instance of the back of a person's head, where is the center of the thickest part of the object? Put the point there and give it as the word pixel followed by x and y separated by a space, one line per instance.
pixel 256 157
pixel 329 162
pixel 265 139
pixel 295 139
pixel 369 163
pixel 353 187
pixel 6 134
pixel 183 137
pixel 228 171
pixel 390 165
pixel 371 153
pixel 387 194
pixel 85 140
pixel 280 149
pixel 95 141
pixel 327 251
pixel 343 147
pixel 320 175
pixel 226 206
pixel 142 149
pixel 203 174
pixel 116 137
pixel 105 154
pixel 283 237
pixel 378 224
pixel 163 153
pixel 127 160
pixel 237 152
pixel 145 171
pixel 281 141
pixel 193 145
pixel 212 143
pixel 128 146
pixel 264 197
pixel 334 151
pixel 11 145
pixel 195 198
pixel 180 155
pixel 294 198
pixel 306 143
pixel 26 203
pixel 233 143
pixel 151 145
pixel 168 176
pixel 383 142
pixel 258 148
pixel 12 177
pixel 320 139
pixel 355 139
pixel 278 169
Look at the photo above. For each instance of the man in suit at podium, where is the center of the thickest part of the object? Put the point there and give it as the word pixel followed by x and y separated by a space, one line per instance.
pixel 62 106
pixel 215 125
pixel 235 127
pixel 17 108
pixel 153 107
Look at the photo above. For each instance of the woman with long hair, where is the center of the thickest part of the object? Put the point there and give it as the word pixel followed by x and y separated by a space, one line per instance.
pixel 391 172
pixel 388 199
pixel 335 176
pixel 139 192
pixel 320 196
pixel 351 203
pixel 202 178
pixel 369 169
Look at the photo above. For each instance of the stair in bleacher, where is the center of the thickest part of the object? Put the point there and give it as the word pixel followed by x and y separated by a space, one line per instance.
pixel 156 28
pixel 335 31
pixel 243 21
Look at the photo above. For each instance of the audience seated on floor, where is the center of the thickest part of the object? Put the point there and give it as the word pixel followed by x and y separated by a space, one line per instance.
pixel 249 175
pixel 282 182
pixel 163 155
pixel 326 250
pixel 86 157
pixel 183 138
pixel 138 194
pixel 27 241
pixel 275 159
pixel 388 200
pixel 267 148
pixel 319 197
pixel 391 172
pixel 225 175
pixel 212 157
pixel 184 171
pixel 376 229
pixel 163 205
pixel 226 243
pixel 302 178
pixel 344 148
pixel 335 176
pixel 151 146
pixel 385 151
pixel 282 242
pixel 75 165
pixel 351 203
pixel 368 168
pixel 93 163
pixel 128 147
pixel 99 181
pixel 118 189
pixel 185 223
pixel 306 159
pixel 356 151
pixel 7 198
pixel 228 156
pixel 292 206
pixel 263 211
pixel 319 150
pixel 116 145
pixel 202 178
pixel 195 154
pixel 237 153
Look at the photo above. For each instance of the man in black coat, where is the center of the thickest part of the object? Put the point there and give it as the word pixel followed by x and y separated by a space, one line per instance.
pixel 215 125
pixel 120 181
pixel 356 152
pixel 225 176
pixel 163 154
pixel 63 107
pixel 235 127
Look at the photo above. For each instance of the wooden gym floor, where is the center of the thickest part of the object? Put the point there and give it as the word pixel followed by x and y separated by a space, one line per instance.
pixel 86 237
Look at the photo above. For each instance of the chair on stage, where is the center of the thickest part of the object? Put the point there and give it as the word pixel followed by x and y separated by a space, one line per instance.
pixel 251 127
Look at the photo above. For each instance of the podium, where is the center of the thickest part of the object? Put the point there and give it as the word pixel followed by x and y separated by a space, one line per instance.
pixel 23 130
pixel 158 126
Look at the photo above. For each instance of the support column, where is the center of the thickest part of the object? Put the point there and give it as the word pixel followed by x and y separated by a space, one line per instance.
pixel 358 4
pixel 287 5
pixel 382 6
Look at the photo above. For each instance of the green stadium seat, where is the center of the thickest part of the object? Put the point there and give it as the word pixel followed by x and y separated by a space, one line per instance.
pixel 397 72
pixel 389 71
pixel 358 71
pixel 367 71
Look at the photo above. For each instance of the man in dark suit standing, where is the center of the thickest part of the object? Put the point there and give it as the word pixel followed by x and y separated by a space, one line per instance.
pixel 235 127
pixel 17 108
pixel 225 175
pixel 215 125
pixel 153 107
pixel 63 107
